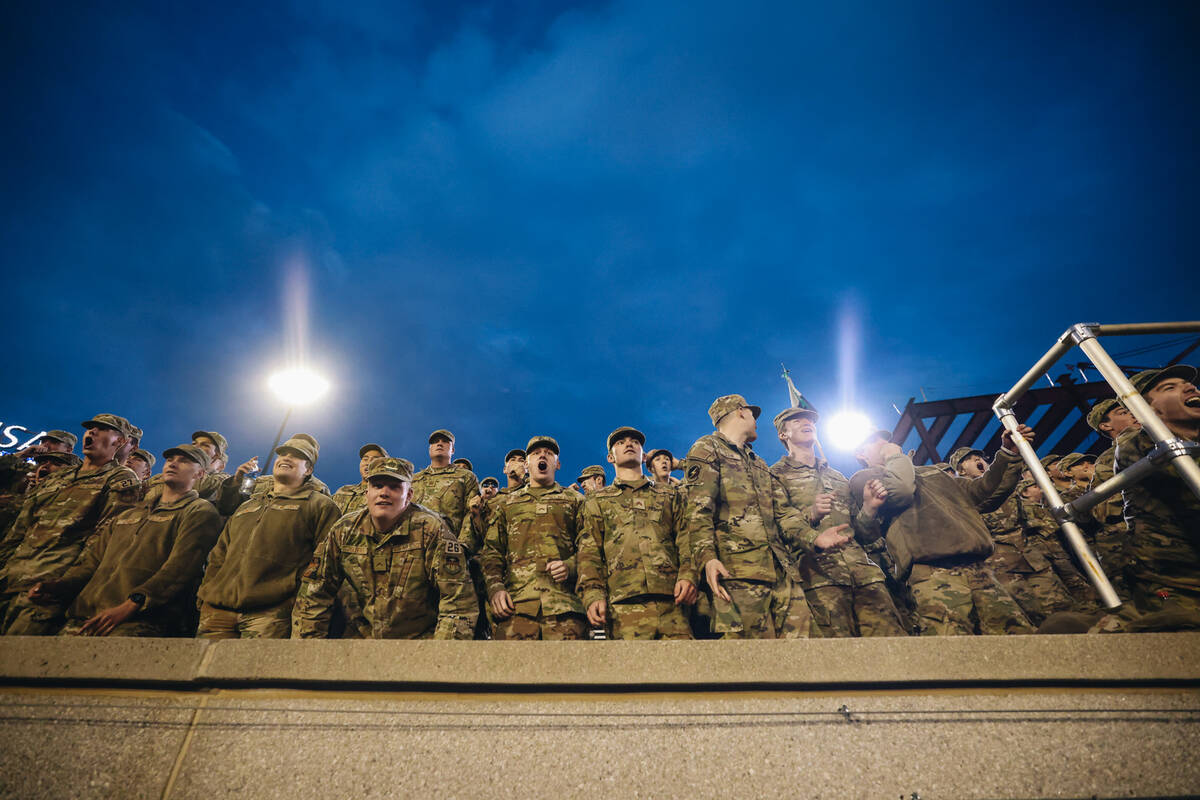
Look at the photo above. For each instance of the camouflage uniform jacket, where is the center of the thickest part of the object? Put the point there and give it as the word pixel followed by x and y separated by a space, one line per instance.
pixel 228 495
pixel 1109 512
pixel 411 582
pixel 58 517
pixel 351 498
pixel 447 491
pixel 740 513
pixel 265 547
pixel 152 548
pixel 632 542
pixel 1164 520
pixel 530 527
pixel 1014 552
pixel 848 565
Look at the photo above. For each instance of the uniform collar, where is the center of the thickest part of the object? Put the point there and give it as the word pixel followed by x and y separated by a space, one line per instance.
pixel 180 503
pixel 637 483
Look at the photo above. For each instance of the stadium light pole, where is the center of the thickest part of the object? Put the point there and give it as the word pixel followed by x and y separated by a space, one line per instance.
pixel 296 386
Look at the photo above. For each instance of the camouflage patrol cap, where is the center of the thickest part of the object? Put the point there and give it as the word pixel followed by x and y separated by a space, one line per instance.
pixel 220 441
pixel 516 452
pixel 303 444
pixel 399 468
pixel 1071 459
pixel 1025 484
pixel 1147 379
pixel 960 455
pixel 135 432
pixel 1050 459
pixel 489 481
pixel 946 468
pixel 624 431
pixel 66 459
pixel 464 462
pixel 727 403
pixel 443 434
pixel 366 448
pixel 594 471
pixel 118 424
pixel 794 413
pixel 62 436
pixel 1099 411
pixel 659 452
pixel 193 451
pixel 144 455
pixel 542 441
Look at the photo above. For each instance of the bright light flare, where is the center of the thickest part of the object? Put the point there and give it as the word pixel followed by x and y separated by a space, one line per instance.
pixel 846 429
pixel 298 386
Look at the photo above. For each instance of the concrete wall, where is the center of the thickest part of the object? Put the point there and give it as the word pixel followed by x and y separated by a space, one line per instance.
pixel 964 717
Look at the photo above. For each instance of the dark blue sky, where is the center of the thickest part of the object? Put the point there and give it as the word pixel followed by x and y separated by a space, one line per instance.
pixel 544 218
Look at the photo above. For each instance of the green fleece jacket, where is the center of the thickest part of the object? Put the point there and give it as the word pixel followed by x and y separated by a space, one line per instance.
pixel 265 547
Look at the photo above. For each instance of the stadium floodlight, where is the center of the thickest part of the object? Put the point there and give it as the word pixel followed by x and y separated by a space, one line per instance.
pixel 298 386
pixel 846 429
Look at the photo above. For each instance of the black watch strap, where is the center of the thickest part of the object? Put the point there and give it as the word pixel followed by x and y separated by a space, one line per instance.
pixel 138 598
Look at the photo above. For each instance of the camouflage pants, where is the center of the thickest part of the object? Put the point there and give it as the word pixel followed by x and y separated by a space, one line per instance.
pixel 270 623
pixel 1078 587
pixel 1110 549
pixel 648 618
pixel 132 628
pixel 542 626
pixel 839 611
pixel 761 611
pixel 1039 594
pixel 962 601
pixel 23 617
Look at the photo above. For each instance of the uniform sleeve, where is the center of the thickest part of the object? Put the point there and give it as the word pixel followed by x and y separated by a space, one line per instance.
pixel 589 546
pixel 121 492
pixel 198 531
pixel 989 491
pixel 899 478
pixel 318 588
pixel 793 525
pixel 572 561
pixel 446 567
pixel 327 514
pixel 683 541
pixel 216 557
pixel 74 579
pixel 495 548
pixel 228 496
pixel 16 532
pixel 470 533
pixel 702 487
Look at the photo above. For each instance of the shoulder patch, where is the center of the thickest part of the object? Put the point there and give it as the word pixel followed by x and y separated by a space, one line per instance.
pixel 693 472
pixel 124 484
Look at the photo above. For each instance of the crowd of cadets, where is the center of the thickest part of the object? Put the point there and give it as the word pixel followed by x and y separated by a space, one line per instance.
pixel 737 548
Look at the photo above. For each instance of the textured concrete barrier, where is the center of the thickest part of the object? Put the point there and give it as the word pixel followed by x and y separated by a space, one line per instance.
pixel 1134 659
pixel 1072 716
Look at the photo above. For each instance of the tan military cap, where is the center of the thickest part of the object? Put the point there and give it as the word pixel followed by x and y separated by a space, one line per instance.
pixel 660 451
pixel 594 471
pixel 135 432
pixel 489 481
pixel 730 402
pixel 441 433
pixel 542 441
pixel 366 448
pixel 879 434
pixel 1071 459
pixel 794 413
pixel 189 450
pixel 946 468
pixel 1050 459
pixel 220 441
pixel 960 455
pixel 144 455
pixel 622 432
pixel 1147 379
pixel 464 462
pixel 118 424
pixel 68 439
pixel 399 468
pixel 303 444
pixel 66 459
pixel 1099 411
pixel 516 452
pixel 1025 484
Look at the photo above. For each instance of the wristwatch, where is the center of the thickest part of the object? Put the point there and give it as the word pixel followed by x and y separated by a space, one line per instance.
pixel 138 598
